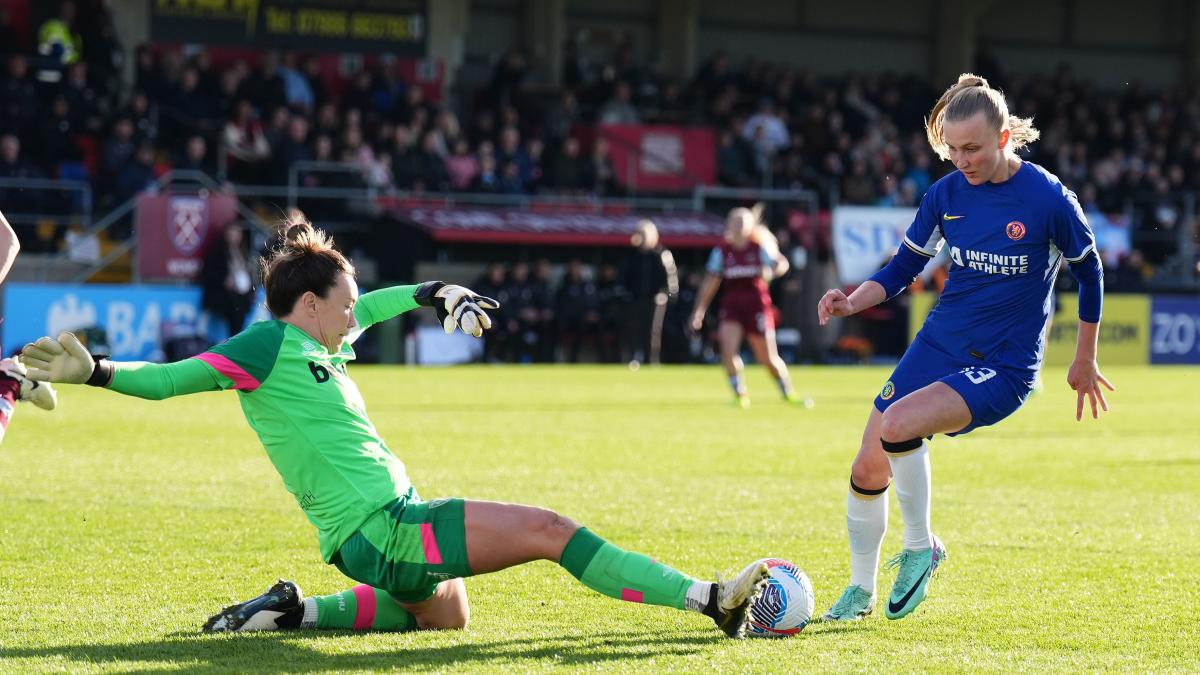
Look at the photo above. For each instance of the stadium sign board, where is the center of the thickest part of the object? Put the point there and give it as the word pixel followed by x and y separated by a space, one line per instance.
pixel 394 26
pixel 866 237
pixel 131 315
pixel 1174 330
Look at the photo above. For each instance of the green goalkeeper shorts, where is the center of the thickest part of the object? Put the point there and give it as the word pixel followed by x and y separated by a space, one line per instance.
pixel 408 547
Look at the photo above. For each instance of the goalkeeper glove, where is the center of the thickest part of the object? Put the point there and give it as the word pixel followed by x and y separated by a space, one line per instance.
pixel 457 306
pixel 66 360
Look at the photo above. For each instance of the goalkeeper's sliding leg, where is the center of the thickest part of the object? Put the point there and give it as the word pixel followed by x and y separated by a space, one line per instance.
pixel 410 559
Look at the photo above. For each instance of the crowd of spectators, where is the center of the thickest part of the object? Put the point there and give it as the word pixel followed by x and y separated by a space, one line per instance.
pixel 857 139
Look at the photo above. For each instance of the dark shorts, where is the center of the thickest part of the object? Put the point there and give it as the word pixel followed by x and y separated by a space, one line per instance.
pixel 754 316
pixel 992 392
pixel 408 547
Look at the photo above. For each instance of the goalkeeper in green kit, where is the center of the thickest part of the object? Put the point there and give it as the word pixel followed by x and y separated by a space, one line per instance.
pixel 408 555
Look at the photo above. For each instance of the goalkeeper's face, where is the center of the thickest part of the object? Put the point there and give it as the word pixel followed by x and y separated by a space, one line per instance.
pixel 334 313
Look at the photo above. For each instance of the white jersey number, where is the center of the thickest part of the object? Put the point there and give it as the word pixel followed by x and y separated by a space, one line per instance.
pixel 978 375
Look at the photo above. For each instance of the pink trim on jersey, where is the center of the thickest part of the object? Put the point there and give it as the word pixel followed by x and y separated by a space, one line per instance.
pixel 364 597
pixel 433 555
pixel 241 379
pixel 630 595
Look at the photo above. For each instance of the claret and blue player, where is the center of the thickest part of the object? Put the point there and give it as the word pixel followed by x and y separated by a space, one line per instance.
pixel 1008 224
pixel 741 266
pixel 14 383
pixel 408 555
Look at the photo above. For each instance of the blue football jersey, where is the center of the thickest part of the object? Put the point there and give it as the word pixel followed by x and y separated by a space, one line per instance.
pixel 1005 242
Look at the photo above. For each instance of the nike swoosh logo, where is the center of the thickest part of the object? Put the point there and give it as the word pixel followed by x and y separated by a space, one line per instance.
pixel 894 607
pixel 948 217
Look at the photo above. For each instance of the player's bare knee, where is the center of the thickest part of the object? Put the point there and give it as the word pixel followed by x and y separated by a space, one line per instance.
pixel 893 427
pixel 550 528
pixel 869 475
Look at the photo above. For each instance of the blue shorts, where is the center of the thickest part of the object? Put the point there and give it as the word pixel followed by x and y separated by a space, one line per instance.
pixel 992 392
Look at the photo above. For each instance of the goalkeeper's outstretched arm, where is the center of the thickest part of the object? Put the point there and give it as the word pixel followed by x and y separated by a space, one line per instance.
pixel 456 306
pixel 66 361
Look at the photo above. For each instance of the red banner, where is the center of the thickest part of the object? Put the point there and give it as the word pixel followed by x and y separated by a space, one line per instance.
pixel 662 157
pixel 174 232
pixel 511 226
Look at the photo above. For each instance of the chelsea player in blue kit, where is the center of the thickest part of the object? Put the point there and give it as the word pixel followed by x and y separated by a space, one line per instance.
pixel 1007 223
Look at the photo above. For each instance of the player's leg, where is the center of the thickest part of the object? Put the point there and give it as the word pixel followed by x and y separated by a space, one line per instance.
pixel 866 523
pixel 935 408
pixel 361 607
pixel 656 328
pixel 499 536
pixel 766 352
pixel 399 555
pixel 729 337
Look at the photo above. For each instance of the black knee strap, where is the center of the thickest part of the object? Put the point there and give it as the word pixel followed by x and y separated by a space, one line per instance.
pixel 901 446
pixel 865 492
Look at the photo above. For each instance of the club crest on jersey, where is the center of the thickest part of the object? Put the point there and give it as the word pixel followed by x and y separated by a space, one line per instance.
pixel 1015 230
pixel 889 390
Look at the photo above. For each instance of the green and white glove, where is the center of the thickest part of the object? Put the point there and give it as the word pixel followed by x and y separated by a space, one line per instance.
pixel 457 306
pixel 65 360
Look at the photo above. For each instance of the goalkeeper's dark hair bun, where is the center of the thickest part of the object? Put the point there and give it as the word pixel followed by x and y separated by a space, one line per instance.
pixel 304 260
pixel 300 236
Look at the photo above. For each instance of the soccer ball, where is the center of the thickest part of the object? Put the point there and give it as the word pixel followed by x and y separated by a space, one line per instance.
pixel 785 604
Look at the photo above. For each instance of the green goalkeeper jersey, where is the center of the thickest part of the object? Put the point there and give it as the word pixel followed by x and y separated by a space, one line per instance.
pixel 306 410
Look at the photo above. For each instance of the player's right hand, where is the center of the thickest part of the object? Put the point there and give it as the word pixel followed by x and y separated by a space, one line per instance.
pixel 833 303
pixel 63 360
pixel 697 321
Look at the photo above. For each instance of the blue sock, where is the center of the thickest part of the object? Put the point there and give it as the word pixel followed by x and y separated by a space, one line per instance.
pixel 739 387
pixel 785 386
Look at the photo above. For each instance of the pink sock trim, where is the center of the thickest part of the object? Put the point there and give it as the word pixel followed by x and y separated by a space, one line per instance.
pixel 630 595
pixel 364 597
pixel 433 555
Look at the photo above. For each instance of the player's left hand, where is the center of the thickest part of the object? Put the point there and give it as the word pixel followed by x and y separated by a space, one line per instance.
pixel 1085 378
pixel 457 306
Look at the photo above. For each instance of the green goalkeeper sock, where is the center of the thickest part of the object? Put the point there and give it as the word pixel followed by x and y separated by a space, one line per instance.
pixel 360 608
pixel 632 577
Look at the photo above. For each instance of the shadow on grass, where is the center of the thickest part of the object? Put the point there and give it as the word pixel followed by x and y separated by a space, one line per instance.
pixel 291 652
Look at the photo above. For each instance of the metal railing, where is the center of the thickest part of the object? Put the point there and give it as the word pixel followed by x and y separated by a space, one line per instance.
pixel 43 186
pixel 172 181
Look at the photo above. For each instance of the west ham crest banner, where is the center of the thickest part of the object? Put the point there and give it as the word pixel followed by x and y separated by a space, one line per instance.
pixel 174 232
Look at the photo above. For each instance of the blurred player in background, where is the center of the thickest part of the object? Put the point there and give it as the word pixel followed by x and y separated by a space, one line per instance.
pixel 409 555
pixel 652 280
pixel 744 263
pixel 1008 224
pixel 14 384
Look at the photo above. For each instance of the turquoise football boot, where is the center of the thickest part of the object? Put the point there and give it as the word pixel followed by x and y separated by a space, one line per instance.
pixel 912 581
pixel 854 604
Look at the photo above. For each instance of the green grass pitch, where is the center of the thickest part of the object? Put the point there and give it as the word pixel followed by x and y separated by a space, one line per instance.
pixel 1074 546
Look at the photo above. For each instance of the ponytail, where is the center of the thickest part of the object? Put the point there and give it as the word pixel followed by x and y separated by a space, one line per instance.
pixel 971 95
